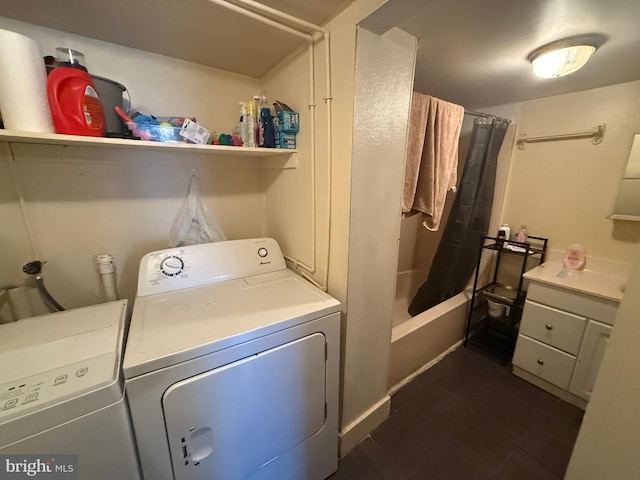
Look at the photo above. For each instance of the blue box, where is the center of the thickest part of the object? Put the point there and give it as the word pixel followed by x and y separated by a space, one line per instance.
pixel 285 140
pixel 288 122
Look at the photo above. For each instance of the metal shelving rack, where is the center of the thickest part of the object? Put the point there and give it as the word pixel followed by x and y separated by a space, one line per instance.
pixel 497 335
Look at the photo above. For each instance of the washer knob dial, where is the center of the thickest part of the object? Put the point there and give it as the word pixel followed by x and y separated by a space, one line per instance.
pixel 172 266
pixel 263 252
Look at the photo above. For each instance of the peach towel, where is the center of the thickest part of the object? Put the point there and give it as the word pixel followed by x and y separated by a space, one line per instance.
pixel 432 157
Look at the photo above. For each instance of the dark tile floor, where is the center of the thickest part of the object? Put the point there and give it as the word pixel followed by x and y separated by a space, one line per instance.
pixel 467 418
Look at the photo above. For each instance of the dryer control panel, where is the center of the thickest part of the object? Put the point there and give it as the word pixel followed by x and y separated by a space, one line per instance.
pixel 196 265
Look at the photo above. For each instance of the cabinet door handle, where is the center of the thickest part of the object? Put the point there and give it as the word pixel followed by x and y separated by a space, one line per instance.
pixel 548 326
pixel 540 361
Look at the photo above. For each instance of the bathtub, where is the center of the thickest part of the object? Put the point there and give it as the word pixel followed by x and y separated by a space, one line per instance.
pixel 420 341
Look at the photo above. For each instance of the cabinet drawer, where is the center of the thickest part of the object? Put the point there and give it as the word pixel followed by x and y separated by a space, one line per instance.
pixel 579 303
pixel 544 361
pixel 551 326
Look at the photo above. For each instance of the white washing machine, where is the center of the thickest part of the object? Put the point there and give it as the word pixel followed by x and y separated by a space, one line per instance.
pixel 231 366
pixel 62 391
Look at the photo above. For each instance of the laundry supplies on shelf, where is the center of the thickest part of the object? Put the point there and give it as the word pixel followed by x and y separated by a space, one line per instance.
pixel 76 108
pixel 287 125
pixel 256 126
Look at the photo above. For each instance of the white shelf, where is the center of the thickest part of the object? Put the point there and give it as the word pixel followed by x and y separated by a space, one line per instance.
pixel 101 142
pixel 282 158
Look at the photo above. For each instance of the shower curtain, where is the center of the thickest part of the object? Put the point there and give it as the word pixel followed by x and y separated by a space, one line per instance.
pixel 457 252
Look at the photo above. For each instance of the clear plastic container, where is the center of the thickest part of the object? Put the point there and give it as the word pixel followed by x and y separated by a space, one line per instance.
pixel 156 133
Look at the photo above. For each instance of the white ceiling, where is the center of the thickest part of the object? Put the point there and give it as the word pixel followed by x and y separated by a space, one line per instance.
pixel 470 52
pixel 194 30
pixel 474 52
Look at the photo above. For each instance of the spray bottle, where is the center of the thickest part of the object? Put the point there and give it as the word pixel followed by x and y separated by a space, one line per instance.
pixel 250 124
pixel 242 131
pixel 256 117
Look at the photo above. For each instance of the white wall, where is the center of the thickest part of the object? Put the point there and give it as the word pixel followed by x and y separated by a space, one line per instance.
pixel 290 194
pixel 564 189
pixel 81 202
pixel 410 229
pixel 15 248
pixel 384 77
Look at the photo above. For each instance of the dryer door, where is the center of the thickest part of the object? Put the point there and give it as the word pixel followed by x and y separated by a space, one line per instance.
pixel 229 422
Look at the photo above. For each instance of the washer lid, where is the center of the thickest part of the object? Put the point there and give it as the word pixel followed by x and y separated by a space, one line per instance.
pixel 173 327
pixel 64 357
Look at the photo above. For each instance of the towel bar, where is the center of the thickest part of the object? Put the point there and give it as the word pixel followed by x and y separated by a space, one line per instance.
pixel 595 135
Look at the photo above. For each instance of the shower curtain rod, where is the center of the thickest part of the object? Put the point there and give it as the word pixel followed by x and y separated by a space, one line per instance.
pixel 485 115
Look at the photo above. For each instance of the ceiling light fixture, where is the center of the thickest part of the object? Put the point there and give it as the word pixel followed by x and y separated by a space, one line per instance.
pixel 565 56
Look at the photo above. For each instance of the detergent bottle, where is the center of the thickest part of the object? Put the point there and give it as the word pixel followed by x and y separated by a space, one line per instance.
pixel 74 102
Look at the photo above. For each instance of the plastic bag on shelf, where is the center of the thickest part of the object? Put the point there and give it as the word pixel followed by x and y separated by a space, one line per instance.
pixel 194 223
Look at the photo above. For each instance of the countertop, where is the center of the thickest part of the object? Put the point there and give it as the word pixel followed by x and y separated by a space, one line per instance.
pixel 599 284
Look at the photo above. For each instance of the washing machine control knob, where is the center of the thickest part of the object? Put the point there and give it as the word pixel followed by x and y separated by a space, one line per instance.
pixel 263 252
pixel 172 266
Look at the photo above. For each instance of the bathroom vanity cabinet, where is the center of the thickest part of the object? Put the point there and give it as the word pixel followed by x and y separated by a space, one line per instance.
pixel 496 303
pixel 562 338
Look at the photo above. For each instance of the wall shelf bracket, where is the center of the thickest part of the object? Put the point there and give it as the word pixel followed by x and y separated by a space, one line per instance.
pixel 595 135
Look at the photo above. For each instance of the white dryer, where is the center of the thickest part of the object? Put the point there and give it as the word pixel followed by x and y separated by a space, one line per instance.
pixel 231 366
pixel 62 392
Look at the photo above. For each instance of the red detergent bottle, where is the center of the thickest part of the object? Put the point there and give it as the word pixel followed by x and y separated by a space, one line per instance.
pixel 74 102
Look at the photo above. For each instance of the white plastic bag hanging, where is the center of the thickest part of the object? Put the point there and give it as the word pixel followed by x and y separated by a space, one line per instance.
pixel 194 223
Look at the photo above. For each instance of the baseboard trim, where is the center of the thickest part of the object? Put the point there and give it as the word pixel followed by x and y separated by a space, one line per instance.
pixel 409 378
pixel 356 431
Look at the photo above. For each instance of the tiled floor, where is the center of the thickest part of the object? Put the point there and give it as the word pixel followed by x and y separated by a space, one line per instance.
pixel 467 418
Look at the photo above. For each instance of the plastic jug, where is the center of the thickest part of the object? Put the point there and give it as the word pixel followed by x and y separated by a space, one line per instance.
pixel 74 102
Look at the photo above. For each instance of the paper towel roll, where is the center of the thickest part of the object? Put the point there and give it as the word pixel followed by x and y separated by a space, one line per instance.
pixel 23 85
